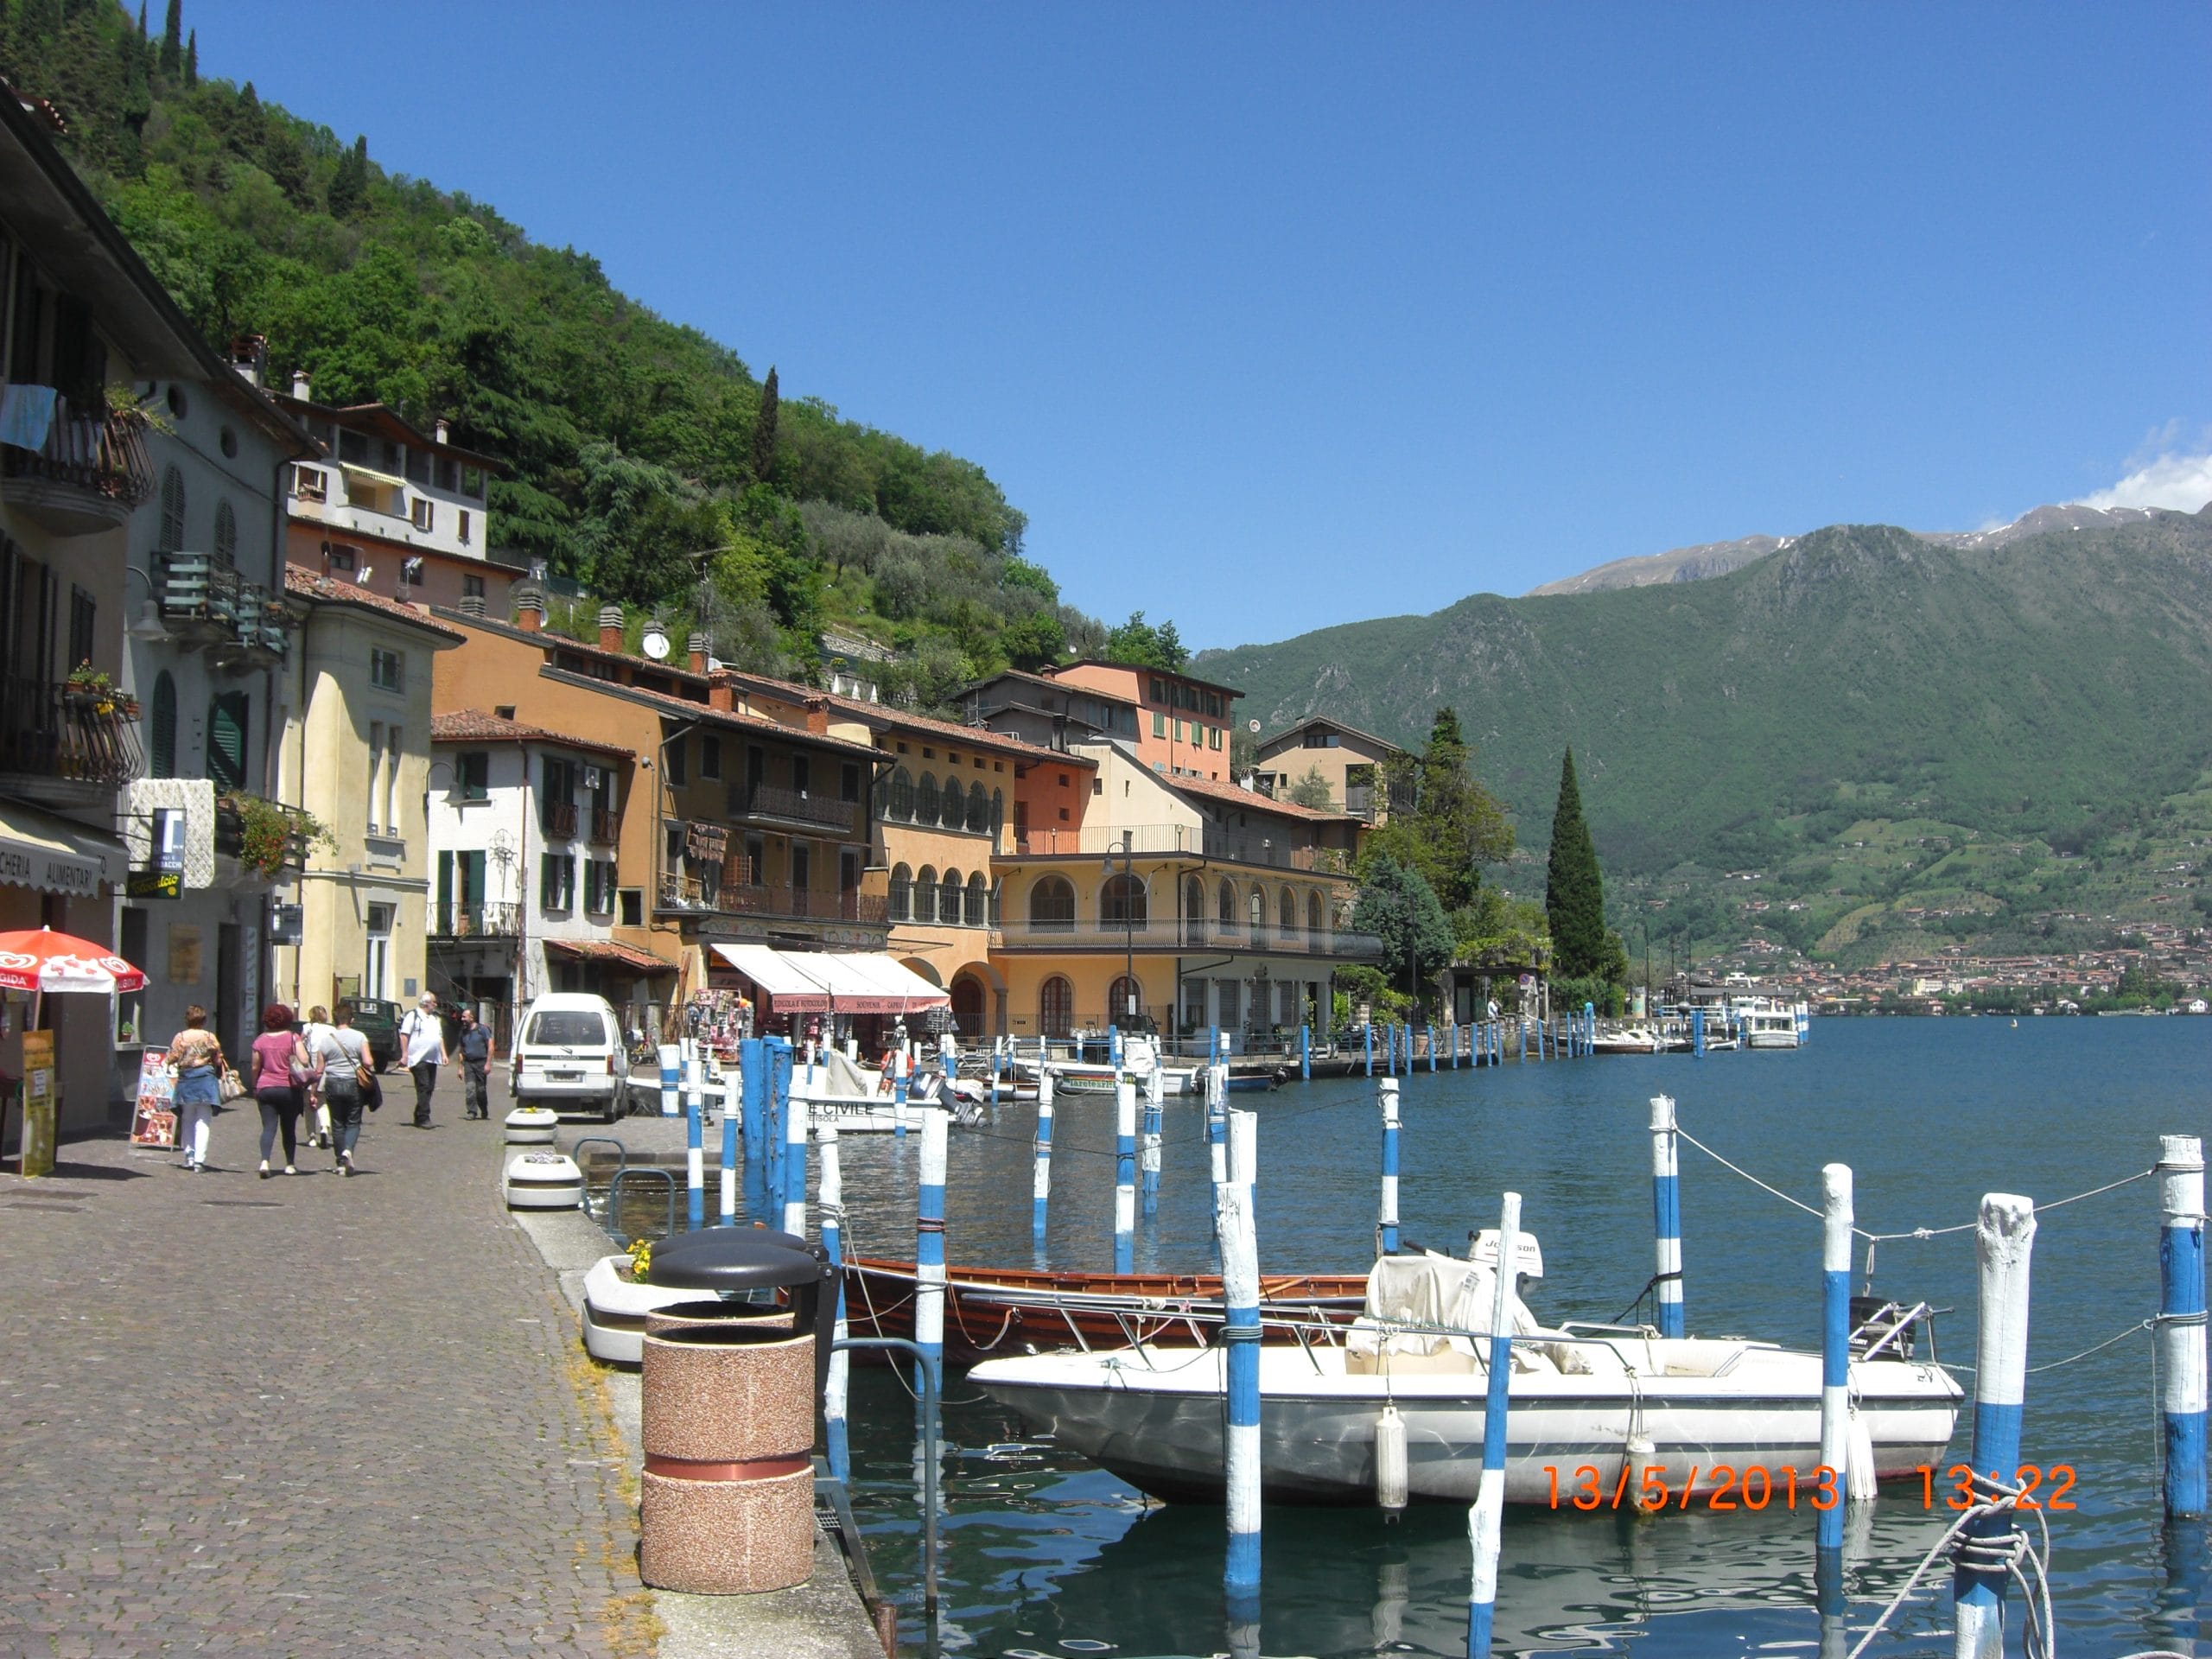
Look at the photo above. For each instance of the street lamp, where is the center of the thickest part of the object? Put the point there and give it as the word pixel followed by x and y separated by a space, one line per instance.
pixel 148 629
pixel 1129 928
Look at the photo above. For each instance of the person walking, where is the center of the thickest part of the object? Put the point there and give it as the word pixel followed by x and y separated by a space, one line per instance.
pixel 423 1035
pixel 280 1075
pixel 197 1056
pixel 474 1048
pixel 317 1114
pixel 341 1062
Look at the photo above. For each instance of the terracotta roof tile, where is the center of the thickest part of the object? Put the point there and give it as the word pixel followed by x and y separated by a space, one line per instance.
pixel 1253 799
pixel 474 726
pixel 328 590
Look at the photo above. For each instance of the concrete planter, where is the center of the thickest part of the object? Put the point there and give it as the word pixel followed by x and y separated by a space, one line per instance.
pixel 728 1499
pixel 544 1180
pixel 616 1309
pixel 532 1126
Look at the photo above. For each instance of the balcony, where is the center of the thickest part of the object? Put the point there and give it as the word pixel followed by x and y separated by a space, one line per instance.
pixel 88 476
pixel 1218 842
pixel 558 820
pixel 605 827
pixel 689 894
pixel 461 920
pixel 792 806
pixel 265 836
pixel 206 602
pixel 1167 933
pixel 66 745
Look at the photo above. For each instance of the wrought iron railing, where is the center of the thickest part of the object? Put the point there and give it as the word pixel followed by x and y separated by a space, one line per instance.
pixel 558 819
pixel 1166 933
pixel 471 919
pixel 766 801
pixel 51 729
pixel 102 454
pixel 686 893
pixel 235 836
pixel 604 825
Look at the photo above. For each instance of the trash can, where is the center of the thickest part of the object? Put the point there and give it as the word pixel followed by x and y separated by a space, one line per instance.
pixel 687 1316
pixel 727 1504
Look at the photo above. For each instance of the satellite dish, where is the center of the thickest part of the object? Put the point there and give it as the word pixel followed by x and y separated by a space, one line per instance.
pixel 656 642
pixel 1253 726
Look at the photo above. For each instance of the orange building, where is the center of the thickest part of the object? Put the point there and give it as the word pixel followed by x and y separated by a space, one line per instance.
pixel 1182 722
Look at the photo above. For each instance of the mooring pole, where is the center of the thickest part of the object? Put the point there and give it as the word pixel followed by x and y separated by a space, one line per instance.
pixel 1386 1219
pixel 830 1202
pixel 1240 1278
pixel 1367 1036
pixel 1667 1216
pixel 1154 1099
pixel 2181 1321
pixel 748 1079
pixel 929 1247
pixel 1125 1180
pixel 795 1116
pixel 902 1066
pixel 2005 1237
pixel 1217 1130
pixel 1041 1190
pixel 1305 1053
pixel 671 1079
pixel 694 1150
pixel 1697 1032
pixel 1244 1157
pixel 753 1096
pixel 1485 1521
pixel 1835 1346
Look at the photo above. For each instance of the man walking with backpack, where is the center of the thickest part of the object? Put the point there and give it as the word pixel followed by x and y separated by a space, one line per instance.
pixel 422 1036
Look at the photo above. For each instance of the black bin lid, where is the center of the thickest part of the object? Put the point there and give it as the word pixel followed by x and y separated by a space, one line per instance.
pixel 732 1260
pixel 681 1244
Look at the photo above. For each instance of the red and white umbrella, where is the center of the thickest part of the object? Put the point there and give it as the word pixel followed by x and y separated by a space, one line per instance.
pixel 40 959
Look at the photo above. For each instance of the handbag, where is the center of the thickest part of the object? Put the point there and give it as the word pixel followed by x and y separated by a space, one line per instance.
pixel 229 1086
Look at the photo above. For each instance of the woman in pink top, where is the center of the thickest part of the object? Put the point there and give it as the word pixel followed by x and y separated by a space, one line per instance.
pixel 280 1070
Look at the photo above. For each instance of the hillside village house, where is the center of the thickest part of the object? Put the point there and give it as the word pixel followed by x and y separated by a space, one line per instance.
pixel 1182 722
pixel 530 887
pixel 1350 762
pixel 356 754
pixel 80 480
pixel 1045 712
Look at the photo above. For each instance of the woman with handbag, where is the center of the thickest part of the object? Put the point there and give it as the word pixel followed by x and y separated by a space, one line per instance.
pixel 347 1074
pixel 201 1069
pixel 279 1084
pixel 317 1114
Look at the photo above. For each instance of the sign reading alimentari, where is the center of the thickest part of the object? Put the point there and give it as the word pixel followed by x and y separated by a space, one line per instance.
pixel 51 869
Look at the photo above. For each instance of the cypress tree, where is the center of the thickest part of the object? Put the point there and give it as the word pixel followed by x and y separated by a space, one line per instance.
pixel 764 431
pixel 349 184
pixel 1574 891
pixel 142 19
pixel 192 59
pixel 173 41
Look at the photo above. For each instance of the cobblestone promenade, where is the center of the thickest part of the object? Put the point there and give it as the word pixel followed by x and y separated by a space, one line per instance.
pixel 303 1415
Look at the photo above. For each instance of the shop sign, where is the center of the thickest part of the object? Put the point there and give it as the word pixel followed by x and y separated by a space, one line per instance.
pixel 154 884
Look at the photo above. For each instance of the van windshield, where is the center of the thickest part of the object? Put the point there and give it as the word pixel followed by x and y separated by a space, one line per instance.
pixel 570 1027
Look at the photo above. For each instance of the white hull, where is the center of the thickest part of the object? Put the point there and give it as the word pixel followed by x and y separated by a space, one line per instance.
pixel 1154 1417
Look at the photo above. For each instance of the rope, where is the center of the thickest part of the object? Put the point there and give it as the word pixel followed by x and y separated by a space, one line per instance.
pixel 2007 1553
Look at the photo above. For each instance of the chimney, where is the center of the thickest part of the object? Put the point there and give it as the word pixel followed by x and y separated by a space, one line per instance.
pixel 610 627
pixel 530 611
pixel 300 386
pixel 817 716
pixel 442 429
pixel 722 690
pixel 698 649
pixel 472 604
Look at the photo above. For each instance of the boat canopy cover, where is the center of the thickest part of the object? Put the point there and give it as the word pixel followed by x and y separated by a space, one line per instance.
pixel 1439 1290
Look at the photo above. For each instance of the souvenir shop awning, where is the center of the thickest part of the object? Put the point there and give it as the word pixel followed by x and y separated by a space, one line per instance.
pixel 613 954
pixel 38 850
pixel 832 981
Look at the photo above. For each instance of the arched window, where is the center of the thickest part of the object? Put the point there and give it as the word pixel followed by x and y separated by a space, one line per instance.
pixel 1313 928
pixel 949 895
pixel 1256 909
pixel 1194 909
pixel 1122 902
pixel 902 795
pixel 172 530
pixel 998 810
pixel 1124 1002
pixel 902 893
pixel 979 809
pixel 926 800
pixel 161 727
pixel 1226 914
pixel 979 902
pixel 1055 1006
pixel 1052 905
pixel 226 533
pixel 926 893
pixel 955 810
pixel 1286 915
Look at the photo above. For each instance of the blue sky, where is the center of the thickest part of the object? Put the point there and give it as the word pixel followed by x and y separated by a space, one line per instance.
pixel 1272 317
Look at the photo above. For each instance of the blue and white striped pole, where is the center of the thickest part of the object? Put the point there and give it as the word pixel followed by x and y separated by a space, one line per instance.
pixel 1155 1111
pixel 2181 1321
pixel 1432 1051
pixel 1213 1043
pixel 748 1072
pixel 998 1061
pixel 1485 1521
pixel 1837 1216
pixel 1125 1178
pixel 694 1150
pixel 1697 1032
pixel 772 1137
pixel 795 1126
pixel 901 1064
pixel 2005 1239
pixel 1244 1157
pixel 1589 1028
pixel 1240 1342
pixel 1305 1053
pixel 830 1201
pixel 1366 1035
pixel 671 1079
pixel 929 1247
pixel 1667 1215
pixel 1041 1189
pixel 753 1097
pixel 695 1077
pixel 1386 1217
pixel 1114 1046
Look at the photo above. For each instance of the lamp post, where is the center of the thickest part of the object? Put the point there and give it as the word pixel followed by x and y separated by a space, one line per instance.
pixel 1128 930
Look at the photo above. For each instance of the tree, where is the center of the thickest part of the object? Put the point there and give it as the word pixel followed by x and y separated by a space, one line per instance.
pixel 1574 890
pixel 348 196
pixel 1034 641
pixel 173 41
pixel 764 430
pixel 1442 821
pixel 1138 642
pixel 1398 907
pixel 1313 790
pixel 191 59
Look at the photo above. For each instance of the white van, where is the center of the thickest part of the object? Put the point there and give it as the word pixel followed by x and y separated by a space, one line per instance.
pixel 570 1057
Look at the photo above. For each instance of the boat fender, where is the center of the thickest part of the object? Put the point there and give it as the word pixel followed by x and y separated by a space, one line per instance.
pixel 1390 1484
pixel 1859 1481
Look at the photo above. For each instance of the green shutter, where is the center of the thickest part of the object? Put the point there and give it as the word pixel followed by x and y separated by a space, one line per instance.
pixel 161 727
pixel 226 723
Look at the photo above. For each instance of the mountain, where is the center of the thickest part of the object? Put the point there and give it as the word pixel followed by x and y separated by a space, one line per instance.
pixel 1719 558
pixel 1863 717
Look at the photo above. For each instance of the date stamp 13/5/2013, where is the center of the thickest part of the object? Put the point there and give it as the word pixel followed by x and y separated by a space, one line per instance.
pixel 1755 1486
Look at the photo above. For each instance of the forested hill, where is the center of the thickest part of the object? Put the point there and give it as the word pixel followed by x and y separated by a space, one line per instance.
pixel 1863 718
pixel 633 440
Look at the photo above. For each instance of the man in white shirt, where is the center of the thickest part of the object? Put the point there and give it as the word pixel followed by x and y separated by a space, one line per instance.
pixel 422 1036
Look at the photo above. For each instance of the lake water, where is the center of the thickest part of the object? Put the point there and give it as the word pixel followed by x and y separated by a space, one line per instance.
pixel 1047 1555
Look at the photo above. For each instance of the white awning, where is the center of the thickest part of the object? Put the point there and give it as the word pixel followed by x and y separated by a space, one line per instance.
pixel 779 976
pixel 885 981
pixel 832 981
pixel 38 850
pixel 392 479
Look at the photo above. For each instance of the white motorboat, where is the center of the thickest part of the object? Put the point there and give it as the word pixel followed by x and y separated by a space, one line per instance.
pixel 1640 1413
pixel 1765 1023
pixel 1626 1040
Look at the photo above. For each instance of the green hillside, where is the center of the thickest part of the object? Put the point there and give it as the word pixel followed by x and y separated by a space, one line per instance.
pixel 633 440
pixel 1878 738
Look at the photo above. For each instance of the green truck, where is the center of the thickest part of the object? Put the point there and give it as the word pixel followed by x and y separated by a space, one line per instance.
pixel 378 1021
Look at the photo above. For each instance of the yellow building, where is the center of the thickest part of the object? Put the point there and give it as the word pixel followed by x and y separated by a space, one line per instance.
pixel 356 755
pixel 1188 901
pixel 1350 763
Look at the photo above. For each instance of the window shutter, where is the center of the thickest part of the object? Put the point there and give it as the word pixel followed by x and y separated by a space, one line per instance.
pixel 161 727
pixel 226 723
